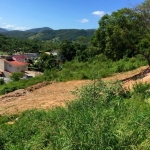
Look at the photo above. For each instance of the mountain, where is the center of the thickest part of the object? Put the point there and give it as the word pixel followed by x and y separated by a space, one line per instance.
pixel 3 30
pixel 36 30
pixel 47 34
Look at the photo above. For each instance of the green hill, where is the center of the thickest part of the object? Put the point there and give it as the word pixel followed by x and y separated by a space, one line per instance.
pixel 46 33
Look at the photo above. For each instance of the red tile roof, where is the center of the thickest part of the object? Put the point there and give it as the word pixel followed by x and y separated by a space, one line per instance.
pixel 16 63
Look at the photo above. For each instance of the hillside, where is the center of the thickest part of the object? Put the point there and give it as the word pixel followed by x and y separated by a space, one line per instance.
pixel 3 30
pixel 56 93
pixel 47 33
pixel 103 116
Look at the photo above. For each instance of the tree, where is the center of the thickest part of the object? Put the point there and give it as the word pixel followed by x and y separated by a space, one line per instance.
pixel 141 29
pixel 46 62
pixel 125 33
pixel 67 50
pixel 110 39
pixel 81 51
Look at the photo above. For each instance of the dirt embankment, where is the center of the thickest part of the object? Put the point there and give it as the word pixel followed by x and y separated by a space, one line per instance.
pixel 47 95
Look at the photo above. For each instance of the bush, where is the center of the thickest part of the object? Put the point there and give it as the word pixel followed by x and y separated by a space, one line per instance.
pixel 16 76
pixel 2 81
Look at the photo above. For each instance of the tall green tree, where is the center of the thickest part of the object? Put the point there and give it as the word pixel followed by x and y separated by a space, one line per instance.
pixel 141 29
pixel 110 36
pixel 46 62
pixel 125 33
pixel 67 50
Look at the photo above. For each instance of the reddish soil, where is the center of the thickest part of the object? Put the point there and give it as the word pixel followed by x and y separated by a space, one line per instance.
pixel 47 95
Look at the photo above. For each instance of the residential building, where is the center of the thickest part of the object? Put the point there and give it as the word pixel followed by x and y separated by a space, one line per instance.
pixel 8 66
pixel 32 56
pixel 20 58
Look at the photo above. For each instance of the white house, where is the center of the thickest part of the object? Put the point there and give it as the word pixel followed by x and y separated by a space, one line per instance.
pixel 7 67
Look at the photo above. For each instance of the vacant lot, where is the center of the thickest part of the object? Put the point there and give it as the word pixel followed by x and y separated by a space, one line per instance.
pixel 56 93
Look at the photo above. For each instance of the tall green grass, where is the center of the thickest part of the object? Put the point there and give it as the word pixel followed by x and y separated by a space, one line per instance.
pixel 99 66
pixel 103 117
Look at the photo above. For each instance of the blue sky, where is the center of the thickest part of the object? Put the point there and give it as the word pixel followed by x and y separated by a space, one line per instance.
pixel 57 14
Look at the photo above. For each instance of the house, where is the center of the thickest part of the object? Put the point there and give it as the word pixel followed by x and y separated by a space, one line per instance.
pixel 8 66
pixel 53 52
pixel 32 56
pixel 20 58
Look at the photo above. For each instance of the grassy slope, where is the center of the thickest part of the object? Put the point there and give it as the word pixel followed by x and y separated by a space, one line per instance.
pixel 103 117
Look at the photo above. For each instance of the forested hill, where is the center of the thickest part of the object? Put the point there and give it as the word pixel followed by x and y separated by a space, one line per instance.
pixel 46 33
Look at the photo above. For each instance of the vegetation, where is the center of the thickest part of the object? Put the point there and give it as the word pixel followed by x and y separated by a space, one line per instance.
pixel 124 33
pixel 47 34
pixel 2 81
pixel 98 67
pixel 16 76
pixel 21 84
pixel 11 45
pixel 104 116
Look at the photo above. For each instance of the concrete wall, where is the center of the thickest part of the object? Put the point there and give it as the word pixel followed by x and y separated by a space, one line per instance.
pixel 2 65
pixel 10 68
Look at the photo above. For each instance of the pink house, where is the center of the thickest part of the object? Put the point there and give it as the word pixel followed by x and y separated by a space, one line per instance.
pixel 20 58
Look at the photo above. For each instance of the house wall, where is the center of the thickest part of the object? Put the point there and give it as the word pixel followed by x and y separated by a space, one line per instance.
pixel 21 68
pixel 7 74
pixel 10 68
pixel 1 64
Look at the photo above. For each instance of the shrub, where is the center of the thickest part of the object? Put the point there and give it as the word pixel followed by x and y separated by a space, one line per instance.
pixel 2 81
pixel 16 76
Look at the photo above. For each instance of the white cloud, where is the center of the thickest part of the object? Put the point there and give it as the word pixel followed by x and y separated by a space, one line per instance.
pixel 99 13
pixel 13 27
pixel 83 20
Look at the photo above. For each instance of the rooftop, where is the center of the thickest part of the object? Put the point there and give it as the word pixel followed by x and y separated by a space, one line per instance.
pixel 16 63
pixel 20 56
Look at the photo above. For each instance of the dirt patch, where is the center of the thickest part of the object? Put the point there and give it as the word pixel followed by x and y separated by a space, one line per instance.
pixel 47 95
pixel 22 92
pixel 37 86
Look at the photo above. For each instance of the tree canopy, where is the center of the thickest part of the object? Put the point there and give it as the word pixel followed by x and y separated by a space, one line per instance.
pixel 124 33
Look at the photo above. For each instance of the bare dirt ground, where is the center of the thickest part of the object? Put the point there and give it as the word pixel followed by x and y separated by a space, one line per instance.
pixel 47 95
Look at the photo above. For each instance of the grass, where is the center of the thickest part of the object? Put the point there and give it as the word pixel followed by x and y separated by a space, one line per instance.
pixel 104 116
pixel 21 84
pixel 98 67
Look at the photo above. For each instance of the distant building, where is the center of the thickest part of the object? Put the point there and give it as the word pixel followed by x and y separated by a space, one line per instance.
pixel 8 66
pixel 53 52
pixel 32 56
pixel 20 58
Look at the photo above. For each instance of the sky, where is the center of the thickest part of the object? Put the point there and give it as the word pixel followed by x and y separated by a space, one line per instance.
pixel 57 14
